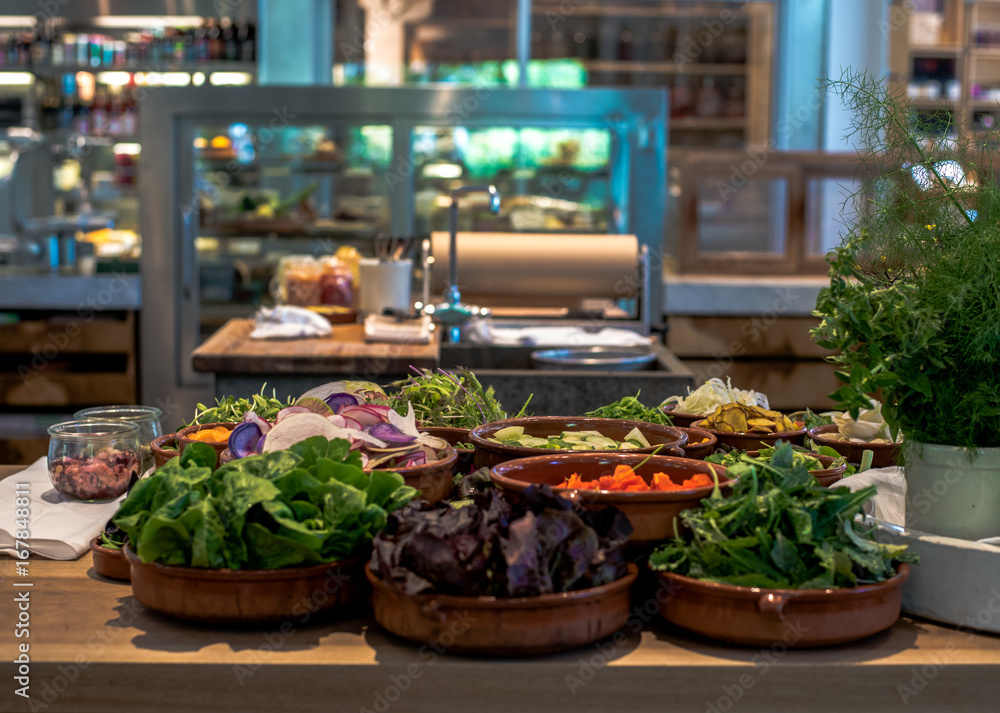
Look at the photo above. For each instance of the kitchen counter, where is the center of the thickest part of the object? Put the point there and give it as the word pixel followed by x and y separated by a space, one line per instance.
pixel 715 295
pixel 95 649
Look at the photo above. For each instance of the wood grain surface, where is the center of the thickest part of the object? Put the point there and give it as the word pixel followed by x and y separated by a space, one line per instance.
pixel 231 350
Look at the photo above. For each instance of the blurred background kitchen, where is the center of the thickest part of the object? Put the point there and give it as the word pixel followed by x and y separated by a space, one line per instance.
pixel 136 221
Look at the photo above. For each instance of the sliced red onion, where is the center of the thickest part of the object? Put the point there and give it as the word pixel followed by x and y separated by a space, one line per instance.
pixel 412 459
pixel 244 438
pixel 390 434
pixel 339 401
pixel 364 459
pixel 351 422
pixel 289 410
pixel 339 421
pixel 252 417
pixel 365 414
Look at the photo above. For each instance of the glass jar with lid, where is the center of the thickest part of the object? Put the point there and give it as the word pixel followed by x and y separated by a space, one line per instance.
pixel 93 461
pixel 299 280
pixel 336 283
pixel 147 418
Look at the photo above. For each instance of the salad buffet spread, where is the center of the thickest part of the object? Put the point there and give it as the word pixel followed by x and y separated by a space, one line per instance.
pixel 545 542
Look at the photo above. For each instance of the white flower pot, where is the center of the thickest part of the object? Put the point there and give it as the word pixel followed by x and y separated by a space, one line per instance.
pixel 947 494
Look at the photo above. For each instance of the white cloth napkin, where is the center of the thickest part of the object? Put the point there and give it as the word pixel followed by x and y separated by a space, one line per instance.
pixel 890 500
pixel 387 329
pixel 567 337
pixel 289 322
pixel 60 528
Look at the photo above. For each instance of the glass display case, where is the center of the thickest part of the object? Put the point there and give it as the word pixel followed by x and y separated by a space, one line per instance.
pixel 258 174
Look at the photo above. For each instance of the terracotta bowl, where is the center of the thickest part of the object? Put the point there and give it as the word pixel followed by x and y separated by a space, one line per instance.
pixel 183 439
pixel 697 447
pixel 160 454
pixel 230 596
pixel 680 419
pixel 108 562
pixel 432 479
pixel 653 515
pixel 518 626
pixel 884 455
pixel 795 617
pixel 826 476
pixel 489 454
pixel 454 436
pixel 752 441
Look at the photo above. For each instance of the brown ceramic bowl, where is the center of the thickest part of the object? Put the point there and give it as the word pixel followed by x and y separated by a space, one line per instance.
pixel 455 436
pixel 794 617
pixel 700 443
pixel 184 440
pixel 884 455
pixel 653 514
pixel 680 419
pixel 518 626
pixel 826 476
pixel 432 479
pixel 158 447
pixel 232 596
pixel 752 441
pixel 488 454
pixel 108 562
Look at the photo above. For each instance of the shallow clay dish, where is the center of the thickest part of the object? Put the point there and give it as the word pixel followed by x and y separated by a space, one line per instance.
pixel 826 476
pixel 794 617
pixel 488 454
pixel 231 596
pixel 491 626
pixel 454 436
pixel 652 514
pixel 700 443
pixel 158 447
pixel 184 440
pixel 433 479
pixel 752 441
pixel 680 419
pixel 108 562
pixel 884 455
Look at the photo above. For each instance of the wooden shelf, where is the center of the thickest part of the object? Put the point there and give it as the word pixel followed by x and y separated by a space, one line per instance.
pixel 612 65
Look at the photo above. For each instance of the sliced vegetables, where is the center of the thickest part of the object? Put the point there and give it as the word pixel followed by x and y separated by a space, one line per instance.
pixel 570 440
pixel 739 418
pixel 805 459
pixel 625 479
pixel 219 434
pixel 712 394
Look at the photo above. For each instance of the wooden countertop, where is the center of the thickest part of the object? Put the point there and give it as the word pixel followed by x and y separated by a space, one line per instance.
pixel 94 649
pixel 344 352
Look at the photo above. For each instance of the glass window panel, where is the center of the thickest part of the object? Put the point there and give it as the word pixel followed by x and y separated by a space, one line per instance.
pixel 829 208
pixel 550 180
pixel 753 218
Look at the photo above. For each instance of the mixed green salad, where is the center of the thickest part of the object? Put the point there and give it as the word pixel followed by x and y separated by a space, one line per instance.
pixel 778 528
pixel 309 504
pixel 801 457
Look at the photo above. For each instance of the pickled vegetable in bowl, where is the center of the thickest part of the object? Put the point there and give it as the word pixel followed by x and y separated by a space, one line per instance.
pixel 739 418
pixel 624 479
pixel 219 434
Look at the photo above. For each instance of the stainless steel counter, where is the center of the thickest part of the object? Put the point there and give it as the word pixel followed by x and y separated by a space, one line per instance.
pixel 110 291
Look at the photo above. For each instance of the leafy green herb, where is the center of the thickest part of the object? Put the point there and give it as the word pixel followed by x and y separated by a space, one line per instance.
pixel 307 505
pixel 630 408
pixel 801 456
pixel 455 400
pixel 231 409
pixel 780 529
pixel 913 308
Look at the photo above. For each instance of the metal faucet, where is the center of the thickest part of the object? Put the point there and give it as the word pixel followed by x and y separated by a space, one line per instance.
pixel 452 313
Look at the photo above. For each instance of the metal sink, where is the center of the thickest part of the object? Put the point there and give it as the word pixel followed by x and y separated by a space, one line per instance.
pixel 511 371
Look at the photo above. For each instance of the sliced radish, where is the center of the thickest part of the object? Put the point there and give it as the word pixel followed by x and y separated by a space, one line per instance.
pixel 252 417
pixel 244 439
pixel 298 427
pixel 289 410
pixel 340 400
pixel 390 434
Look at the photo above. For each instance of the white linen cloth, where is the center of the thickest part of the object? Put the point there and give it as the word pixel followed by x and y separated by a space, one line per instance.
pixel 289 322
pixel 386 329
pixel 59 528
pixel 566 337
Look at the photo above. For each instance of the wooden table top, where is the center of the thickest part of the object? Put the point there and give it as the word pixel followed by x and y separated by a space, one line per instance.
pixel 343 352
pixel 94 649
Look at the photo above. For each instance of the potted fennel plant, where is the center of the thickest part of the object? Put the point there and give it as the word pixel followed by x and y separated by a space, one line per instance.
pixel 913 306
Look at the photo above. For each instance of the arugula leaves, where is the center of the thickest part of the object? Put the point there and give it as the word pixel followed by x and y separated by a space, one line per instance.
pixel 310 504
pixel 780 529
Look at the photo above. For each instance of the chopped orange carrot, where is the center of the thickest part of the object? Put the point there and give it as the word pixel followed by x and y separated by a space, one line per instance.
pixel 626 480
pixel 219 434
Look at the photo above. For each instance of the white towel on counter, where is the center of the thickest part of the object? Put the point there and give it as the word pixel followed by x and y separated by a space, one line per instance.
pixel 890 500
pixel 566 337
pixel 59 528
pixel 388 329
pixel 289 322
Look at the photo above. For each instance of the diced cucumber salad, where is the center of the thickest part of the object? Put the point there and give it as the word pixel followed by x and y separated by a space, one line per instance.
pixel 570 440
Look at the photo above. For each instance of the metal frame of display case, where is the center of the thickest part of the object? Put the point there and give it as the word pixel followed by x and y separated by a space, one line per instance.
pixel 169 116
